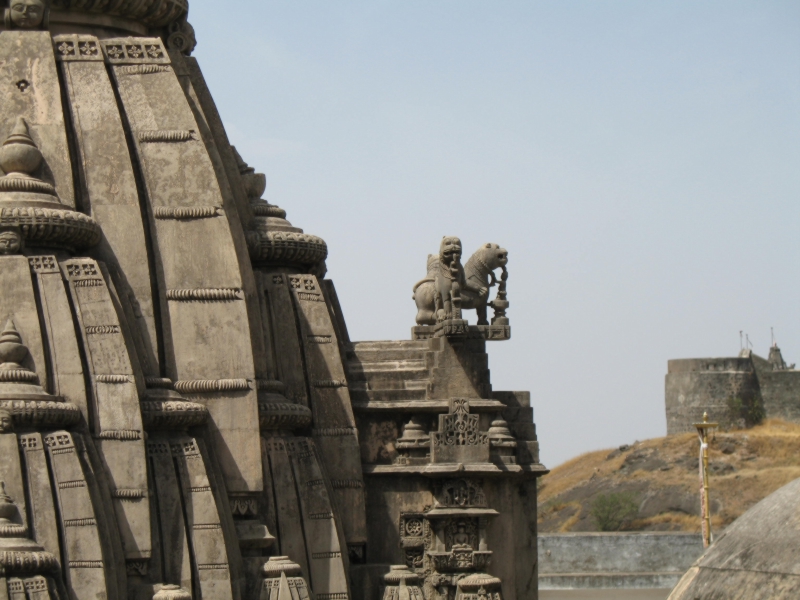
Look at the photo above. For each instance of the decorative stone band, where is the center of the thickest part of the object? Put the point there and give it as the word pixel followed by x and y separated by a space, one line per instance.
pixel 102 329
pixel 263 209
pixel 334 431
pixel 185 213
pixel 206 386
pixel 120 435
pixel 205 295
pixel 80 522
pixel 86 564
pixel 172 414
pixel 129 494
pixel 460 560
pixel 42 413
pixel 283 415
pixel 347 484
pixel 134 51
pixel 114 379
pixel 143 69
pixel 322 555
pixel 286 248
pixel 72 47
pixel 167 136
pixel 26 184
pixel 156 13
pixel 50 227
pixel 320 516
pixel 15 562
pixel 18 376
pixel 9 529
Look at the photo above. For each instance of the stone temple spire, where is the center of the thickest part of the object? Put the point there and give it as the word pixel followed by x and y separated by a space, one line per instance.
pixel 182 412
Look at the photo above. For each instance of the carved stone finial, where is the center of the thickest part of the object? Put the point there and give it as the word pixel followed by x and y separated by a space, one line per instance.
pixel 12 350
pixel 19 156
pixel 402 584
pixel 502 442
pixel 18 553
pixel 500 433
pixel 282 580
pixel 14 376
pixel 479 585
pixel 275 241
pixel 30 210
pixel 414 444
pixel 26 14
pixel 414 434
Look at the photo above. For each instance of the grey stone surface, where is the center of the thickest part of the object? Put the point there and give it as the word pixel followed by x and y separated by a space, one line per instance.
pixel 182 412
pixel 756 557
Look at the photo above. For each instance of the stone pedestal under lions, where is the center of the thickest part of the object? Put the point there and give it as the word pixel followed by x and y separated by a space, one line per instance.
pixel 179 424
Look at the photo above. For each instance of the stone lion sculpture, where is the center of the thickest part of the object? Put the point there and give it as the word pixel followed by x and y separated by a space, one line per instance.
pixel 449 286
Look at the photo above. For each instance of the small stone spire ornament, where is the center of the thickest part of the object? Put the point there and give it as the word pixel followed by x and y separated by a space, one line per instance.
pixel 12 353
pixel 20 157
pixel 479 586
pixel 18 553
pixel 283 580
pixel 414 445
pixel 274 241
pixel 30 209
pixel 402 584
pixel 501 441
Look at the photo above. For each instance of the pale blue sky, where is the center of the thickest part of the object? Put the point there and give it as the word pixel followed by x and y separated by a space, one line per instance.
pixel 639 160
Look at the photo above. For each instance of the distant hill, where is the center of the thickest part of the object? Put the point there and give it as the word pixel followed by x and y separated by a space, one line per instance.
pixel 654 484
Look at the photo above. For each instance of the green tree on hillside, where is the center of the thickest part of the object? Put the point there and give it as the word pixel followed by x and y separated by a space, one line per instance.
pixel 611 511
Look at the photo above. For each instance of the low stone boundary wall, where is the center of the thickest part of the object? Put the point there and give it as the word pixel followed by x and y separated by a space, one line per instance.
pixel 615 560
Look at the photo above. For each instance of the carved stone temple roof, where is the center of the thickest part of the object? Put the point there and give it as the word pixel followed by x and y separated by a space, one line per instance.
pixel 182 412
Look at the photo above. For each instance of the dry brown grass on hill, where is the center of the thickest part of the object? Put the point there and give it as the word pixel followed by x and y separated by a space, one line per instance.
pixel 661 476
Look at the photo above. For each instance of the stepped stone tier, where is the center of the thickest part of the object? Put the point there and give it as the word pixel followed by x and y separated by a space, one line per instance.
pixel 182 413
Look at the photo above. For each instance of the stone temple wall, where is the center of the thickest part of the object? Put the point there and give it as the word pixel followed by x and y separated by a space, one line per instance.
pixel 722 386
pixel 182 413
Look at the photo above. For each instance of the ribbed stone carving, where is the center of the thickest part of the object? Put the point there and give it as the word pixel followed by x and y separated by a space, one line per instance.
pixel 172 414
pixel 286 248
pixel 283 415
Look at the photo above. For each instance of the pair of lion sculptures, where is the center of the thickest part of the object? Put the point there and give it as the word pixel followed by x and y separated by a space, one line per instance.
pixel 450 287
